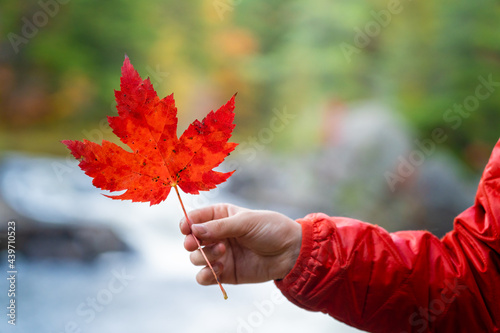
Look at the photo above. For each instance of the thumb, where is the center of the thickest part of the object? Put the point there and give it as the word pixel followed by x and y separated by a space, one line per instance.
pixel 216 230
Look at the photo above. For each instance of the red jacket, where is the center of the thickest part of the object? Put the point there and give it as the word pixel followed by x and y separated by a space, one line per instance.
pixel 407 281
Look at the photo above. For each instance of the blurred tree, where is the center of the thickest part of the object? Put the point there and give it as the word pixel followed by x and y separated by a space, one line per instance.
pixel 433 59
pixel 68 53
pixel 421 58
pixel 59 60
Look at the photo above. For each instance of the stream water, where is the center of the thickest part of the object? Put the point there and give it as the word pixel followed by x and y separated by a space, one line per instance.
pixel 149 289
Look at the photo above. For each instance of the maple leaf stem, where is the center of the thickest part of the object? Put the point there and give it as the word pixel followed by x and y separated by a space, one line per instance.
pixel 199 245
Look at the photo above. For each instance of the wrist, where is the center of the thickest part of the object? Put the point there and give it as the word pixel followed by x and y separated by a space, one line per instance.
pixel 293 251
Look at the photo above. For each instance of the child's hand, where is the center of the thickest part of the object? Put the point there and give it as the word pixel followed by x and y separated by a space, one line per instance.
pixel 243 245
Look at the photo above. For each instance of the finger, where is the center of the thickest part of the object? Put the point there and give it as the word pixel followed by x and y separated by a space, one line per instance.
pixel 217 230
pixel 190 244
pixel 184 226
pixel 213 212
pixel 213 253
pixel 205 277
pixel 199 216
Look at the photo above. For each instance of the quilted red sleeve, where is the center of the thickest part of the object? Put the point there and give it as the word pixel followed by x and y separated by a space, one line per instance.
pixel 407 281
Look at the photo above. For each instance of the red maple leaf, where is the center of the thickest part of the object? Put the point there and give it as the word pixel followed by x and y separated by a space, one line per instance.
pixel 158 159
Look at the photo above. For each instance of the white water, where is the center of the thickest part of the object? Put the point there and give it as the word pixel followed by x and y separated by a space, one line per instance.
pixel 159 292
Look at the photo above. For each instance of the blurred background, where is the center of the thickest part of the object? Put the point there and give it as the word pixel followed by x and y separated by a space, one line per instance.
pixel 385 111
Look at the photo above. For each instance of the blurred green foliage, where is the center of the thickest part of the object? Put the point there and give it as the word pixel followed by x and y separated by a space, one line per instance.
pixel 420 58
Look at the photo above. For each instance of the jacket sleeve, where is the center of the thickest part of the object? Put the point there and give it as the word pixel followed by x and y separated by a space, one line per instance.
pixel 407 281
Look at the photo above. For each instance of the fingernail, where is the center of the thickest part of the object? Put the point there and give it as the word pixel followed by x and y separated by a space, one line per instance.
pixel 200 229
